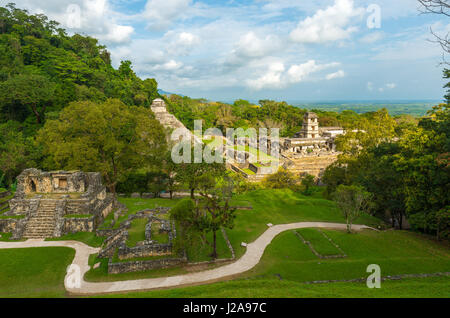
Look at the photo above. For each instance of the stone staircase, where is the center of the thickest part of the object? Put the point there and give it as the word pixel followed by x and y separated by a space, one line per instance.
pixel 311 165
pixel 42 224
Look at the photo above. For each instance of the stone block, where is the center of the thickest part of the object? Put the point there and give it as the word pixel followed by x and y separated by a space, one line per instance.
pixel 136 195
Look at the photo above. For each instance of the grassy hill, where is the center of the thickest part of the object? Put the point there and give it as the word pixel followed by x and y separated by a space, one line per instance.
pixel 287 263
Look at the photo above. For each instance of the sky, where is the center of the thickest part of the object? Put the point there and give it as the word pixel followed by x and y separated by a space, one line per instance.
pixel 293 50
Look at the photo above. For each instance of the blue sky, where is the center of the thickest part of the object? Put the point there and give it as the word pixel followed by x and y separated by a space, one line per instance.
pixel 257 49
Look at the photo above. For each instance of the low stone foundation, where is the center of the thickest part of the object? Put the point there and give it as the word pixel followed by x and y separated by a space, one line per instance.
pixel 148 250
pixel 75 225
pixel 138 266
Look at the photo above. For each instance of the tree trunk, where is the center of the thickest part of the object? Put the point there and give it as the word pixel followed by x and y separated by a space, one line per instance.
pixel 192 194
pixel 36 113
pixel 171 195
pixel 400 221
pixel 112 189
pixel 349 226
pixel 214 245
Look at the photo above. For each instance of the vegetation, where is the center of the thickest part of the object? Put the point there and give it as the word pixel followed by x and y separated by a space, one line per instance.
pixel 42 71
pixel 352 200
pixel 404 167
pixel 136 233
pixel 87 238
pixel 110 137
pixel 319 242
pixel 34 272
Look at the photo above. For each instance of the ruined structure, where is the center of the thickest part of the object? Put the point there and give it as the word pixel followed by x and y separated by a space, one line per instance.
pixel 52 204
pixel 169 121
pixel 313 149
pixel 145 255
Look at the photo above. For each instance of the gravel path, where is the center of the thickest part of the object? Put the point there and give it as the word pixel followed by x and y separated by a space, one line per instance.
pixel 249 260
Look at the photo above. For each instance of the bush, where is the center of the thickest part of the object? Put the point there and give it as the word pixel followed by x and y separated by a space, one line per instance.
pixel 185 219
pixel 135 182
pixel 283 179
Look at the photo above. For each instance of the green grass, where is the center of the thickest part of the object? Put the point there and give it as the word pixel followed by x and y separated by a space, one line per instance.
pixel 249 172
pixel 34 272
pixel 135 205
pixel 6 237
pixel 287 263
pixel 136 233
pixel 17 217
pixel 281 207
pixel 319 242
pixel 7 198
pixel 202 253
pixel 396 252
pixel 161 238
pixel 436 287
pixel 87 238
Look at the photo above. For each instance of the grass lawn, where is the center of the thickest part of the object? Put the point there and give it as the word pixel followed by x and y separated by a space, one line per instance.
pixel 319 242
pixel 34 272
pixel 281 207
pixel 87 238
pixel 285 266
pixel 135 205
pixel 136 233
pixel 288 263
pixel 436 287
pixel 160 237
pixel 396 252
pixel 6 237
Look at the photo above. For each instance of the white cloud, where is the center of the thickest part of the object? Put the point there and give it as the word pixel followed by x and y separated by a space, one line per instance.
pixel 271 79
pixel 93 17
pixel 338 74
pixel 388 86
pixel 391 85
pixel 277 77
pixel 372 37
pixel 180 43
pixel 250 45
pixel 329 25
pixel 160 14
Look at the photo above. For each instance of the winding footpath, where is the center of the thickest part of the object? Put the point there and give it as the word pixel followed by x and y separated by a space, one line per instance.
pixel 249 260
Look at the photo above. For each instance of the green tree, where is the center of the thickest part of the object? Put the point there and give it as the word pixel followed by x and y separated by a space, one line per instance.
pixel 308 182
pixel 16 151
pixel 353 201
pixel 282 179
pixel 216 189
pixel 110 137
pixel 27 90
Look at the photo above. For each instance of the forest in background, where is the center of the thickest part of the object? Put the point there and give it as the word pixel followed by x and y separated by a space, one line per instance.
pixel 63 106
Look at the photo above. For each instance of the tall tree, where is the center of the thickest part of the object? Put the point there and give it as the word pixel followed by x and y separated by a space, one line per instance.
pixel 111 138
pixel 353 201
pixel 27 90
pixel 216 189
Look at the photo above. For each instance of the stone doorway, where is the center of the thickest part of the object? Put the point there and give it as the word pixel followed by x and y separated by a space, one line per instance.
pixel 32 186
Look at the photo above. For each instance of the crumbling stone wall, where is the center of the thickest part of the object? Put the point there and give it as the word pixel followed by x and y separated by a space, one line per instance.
pixel 137 266
pixel 90 199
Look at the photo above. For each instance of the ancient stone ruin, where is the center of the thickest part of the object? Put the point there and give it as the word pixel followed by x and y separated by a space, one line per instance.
pixel 312 149
pixel 145 255
pixel 169 121
pixel 52 204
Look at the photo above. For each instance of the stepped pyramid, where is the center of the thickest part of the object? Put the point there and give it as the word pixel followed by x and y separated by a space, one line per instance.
pixel 168 120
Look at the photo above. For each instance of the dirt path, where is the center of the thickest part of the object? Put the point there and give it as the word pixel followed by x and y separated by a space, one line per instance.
pixel 249 260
